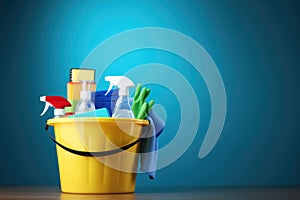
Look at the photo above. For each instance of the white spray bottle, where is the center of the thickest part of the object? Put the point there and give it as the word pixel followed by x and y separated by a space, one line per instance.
pixel 85 104
pixel 122 107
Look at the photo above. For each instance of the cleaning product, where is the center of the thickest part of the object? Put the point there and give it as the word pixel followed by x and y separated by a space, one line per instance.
pixel 74 86
pixel 85 104
pixel 107 101
pixel 59 103
pixel 122 107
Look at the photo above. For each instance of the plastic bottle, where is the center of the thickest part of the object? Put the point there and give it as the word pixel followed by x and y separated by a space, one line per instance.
pixel 59 103
pixel 122 107
pixel 85 103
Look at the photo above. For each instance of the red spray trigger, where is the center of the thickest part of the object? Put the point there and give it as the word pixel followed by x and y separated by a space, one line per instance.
pixel 58 102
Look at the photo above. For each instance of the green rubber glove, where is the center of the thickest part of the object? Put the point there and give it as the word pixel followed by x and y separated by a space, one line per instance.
pixel 139 107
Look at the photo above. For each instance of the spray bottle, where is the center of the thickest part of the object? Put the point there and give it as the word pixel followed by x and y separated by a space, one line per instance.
pixel 59 103
pixel 122 107
pixel 85 104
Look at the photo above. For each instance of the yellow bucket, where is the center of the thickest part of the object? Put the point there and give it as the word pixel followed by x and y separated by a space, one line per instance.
pixel 108 146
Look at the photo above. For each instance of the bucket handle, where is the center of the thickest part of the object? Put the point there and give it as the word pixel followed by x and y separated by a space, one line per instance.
pixel 92 154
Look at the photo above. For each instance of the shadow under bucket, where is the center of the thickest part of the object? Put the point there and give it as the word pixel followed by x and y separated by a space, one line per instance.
pixel 97 155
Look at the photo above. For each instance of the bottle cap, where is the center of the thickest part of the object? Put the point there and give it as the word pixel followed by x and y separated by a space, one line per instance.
pixel 59 112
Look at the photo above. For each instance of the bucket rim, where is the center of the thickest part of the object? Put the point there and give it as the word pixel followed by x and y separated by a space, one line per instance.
pixel 53 121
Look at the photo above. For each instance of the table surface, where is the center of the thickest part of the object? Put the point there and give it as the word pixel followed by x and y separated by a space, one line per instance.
pixel 205 193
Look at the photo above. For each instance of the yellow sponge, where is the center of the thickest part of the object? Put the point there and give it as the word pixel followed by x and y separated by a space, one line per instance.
pixel 79 74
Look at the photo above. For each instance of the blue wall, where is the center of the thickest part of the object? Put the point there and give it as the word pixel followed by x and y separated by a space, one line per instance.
pixel 255 45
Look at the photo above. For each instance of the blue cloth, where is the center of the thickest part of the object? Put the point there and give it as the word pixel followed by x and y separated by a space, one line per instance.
pixel 149 145
pixel 105 101
pixel 102 112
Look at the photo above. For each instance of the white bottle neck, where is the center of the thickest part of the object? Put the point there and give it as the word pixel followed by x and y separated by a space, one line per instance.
pixel 59 112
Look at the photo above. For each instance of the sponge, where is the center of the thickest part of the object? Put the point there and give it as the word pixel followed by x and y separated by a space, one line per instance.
pixel 78 74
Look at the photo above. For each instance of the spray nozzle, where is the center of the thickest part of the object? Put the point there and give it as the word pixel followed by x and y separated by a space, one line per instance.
pixel 58 102
pixel 122 82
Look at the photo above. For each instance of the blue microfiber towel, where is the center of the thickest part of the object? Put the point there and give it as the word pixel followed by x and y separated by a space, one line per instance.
pixel 149 145
pixel 158 122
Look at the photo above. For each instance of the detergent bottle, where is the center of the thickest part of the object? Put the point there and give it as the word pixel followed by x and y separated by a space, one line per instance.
pixel 85 103
pixel 122 107
pixel 59 103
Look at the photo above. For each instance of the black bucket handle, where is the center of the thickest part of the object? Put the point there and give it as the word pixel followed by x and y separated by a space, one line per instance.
pixel 93 154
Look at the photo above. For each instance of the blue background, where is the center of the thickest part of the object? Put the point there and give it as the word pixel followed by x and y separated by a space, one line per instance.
pixel 255 45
